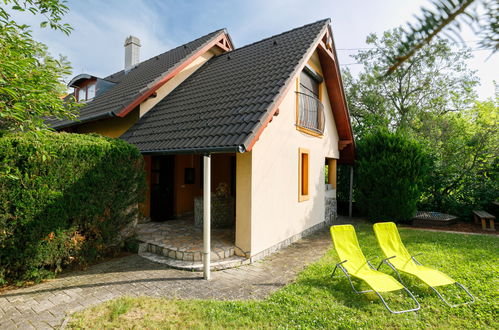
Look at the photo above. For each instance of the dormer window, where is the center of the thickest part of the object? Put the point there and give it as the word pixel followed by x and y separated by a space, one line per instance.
pixel 82 94
pixel 85 92
pixel 87 87
pixel 90 91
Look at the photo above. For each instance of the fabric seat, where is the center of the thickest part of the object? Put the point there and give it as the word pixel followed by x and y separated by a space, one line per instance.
pixel 391 244
pixel 347 247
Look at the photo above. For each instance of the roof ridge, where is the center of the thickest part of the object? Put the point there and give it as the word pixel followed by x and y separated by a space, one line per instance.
pixel 171 49
pixel 325 20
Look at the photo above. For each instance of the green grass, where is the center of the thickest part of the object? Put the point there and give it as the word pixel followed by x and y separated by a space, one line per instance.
pixel 316 300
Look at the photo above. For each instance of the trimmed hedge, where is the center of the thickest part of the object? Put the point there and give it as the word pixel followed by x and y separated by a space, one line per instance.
pixel 64 199
pixel 391 171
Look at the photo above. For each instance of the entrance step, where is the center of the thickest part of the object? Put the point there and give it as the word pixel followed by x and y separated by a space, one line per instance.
pixel 231 262
pixel 185 254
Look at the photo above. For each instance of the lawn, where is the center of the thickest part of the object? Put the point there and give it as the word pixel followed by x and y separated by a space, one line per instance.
pixel 316 300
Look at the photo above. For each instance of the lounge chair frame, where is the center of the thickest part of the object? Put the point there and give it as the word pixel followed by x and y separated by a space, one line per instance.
pixel 413 257
pixel 349 277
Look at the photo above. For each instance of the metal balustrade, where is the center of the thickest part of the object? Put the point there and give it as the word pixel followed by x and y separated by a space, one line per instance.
pixel 310 113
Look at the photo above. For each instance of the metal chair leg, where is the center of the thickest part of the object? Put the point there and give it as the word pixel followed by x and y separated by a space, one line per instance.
pixel 338 265
pixel 456 305
pixel 387 262
pixel 418 306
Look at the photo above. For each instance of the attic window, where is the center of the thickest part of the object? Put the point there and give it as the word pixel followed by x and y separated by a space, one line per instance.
pixel 85 93
pixel 310 110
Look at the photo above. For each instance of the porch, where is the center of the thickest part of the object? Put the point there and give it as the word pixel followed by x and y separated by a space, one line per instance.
pixel 175 206
pixel 179 244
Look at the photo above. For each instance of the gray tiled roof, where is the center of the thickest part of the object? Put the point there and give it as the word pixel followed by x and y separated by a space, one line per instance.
pixel 224 103
pixel 131 85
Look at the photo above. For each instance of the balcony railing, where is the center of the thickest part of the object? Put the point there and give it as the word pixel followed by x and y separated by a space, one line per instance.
pixel 310 113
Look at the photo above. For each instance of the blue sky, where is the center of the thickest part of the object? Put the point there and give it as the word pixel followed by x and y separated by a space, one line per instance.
pixel 100 28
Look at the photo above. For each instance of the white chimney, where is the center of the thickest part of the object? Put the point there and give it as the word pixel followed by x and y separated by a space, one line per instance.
pixel 132 52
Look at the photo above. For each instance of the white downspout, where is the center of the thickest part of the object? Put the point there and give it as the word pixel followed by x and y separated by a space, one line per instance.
pixel 207 217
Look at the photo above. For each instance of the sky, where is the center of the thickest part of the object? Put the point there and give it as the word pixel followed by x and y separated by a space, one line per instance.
pixel 100 28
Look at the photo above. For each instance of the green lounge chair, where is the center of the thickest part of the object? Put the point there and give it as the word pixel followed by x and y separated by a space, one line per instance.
pixel 399 259
pixel 355 264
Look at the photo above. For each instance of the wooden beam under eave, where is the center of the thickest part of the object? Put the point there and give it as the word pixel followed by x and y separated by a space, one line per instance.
pixel 334 86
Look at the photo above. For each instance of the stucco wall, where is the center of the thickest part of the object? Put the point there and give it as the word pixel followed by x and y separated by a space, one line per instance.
pixel 185 193
pixel 112 127
pixel 275 212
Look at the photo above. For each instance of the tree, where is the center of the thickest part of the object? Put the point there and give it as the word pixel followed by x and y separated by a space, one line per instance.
pixel 436 80
pixel 465 146
pixel 447 18
pixel 391 170
pixel 431 98
pixel 31 87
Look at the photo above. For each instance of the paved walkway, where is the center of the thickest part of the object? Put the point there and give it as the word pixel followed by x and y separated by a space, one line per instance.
pixel 46 305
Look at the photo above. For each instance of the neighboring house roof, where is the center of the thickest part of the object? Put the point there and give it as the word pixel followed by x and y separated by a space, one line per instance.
pixel 137 84
pixel 226 103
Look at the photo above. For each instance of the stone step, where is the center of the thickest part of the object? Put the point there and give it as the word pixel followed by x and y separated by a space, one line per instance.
pixel 180 254
pixel 231 262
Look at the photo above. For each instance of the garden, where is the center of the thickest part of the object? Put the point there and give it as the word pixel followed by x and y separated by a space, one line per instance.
pixel 316 300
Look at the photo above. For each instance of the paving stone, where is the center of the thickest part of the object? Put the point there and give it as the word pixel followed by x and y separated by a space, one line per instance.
pixel 48 303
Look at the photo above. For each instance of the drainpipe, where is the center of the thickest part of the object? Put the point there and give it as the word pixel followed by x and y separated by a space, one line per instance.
pixel 351 193
pixel 207 217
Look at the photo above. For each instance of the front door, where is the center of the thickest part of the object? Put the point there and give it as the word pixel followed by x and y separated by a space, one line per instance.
pixel 162 188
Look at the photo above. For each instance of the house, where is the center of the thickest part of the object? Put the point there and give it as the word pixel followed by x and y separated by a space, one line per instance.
pixel 268 118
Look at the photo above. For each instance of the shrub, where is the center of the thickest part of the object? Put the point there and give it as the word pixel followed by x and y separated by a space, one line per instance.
pixel 390 172
pixel 63 199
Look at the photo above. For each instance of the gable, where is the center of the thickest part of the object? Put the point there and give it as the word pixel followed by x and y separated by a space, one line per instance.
pixel 141 82
pixel 223 105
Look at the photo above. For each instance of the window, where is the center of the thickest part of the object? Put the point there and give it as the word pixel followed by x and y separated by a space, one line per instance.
pixel 86 93
pixel 82 94
pixel 303 174
pixel 310 111
pixel 90 91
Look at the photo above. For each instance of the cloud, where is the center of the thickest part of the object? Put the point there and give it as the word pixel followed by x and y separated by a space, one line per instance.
pixel 100 27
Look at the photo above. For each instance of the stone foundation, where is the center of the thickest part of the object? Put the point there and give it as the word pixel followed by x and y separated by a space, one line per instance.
pixel 222 211
pixel 331 210
pixel 287 242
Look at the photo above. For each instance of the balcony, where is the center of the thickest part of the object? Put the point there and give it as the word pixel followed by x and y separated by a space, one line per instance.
pixel 310 113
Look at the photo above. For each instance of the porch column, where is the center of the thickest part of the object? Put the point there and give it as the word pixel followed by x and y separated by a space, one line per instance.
pixel 351 193
pixel 207 217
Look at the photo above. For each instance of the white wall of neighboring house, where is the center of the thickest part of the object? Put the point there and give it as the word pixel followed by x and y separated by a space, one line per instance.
pixel 274 211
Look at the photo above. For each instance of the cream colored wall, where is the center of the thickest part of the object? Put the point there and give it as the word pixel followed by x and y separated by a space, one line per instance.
pixel 276 214
pixel 111 127
pixel 243 203
pixel 176 80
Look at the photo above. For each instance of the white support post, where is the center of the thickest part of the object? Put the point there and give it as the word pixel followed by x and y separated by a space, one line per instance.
pixel 351 193
pixel 207 217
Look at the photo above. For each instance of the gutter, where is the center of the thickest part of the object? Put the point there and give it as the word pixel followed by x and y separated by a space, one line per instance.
pixel 203 151
pixel 86 120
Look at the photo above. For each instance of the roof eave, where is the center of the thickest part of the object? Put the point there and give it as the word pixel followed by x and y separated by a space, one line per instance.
pixel 86 120
pixel 202 151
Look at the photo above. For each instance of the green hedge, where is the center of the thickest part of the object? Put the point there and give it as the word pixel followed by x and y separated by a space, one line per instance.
pixel 391 171
pixel 63 200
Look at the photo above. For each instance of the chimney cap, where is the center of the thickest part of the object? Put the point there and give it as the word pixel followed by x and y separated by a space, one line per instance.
pixel 132 40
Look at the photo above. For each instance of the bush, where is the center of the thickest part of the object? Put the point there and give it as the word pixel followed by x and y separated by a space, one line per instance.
pixel 63 200
pixel 390 173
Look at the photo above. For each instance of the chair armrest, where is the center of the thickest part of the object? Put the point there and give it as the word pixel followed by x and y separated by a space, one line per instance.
pixel 414 258
pixel 339 265
pixel 369 261
pixel 386 261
